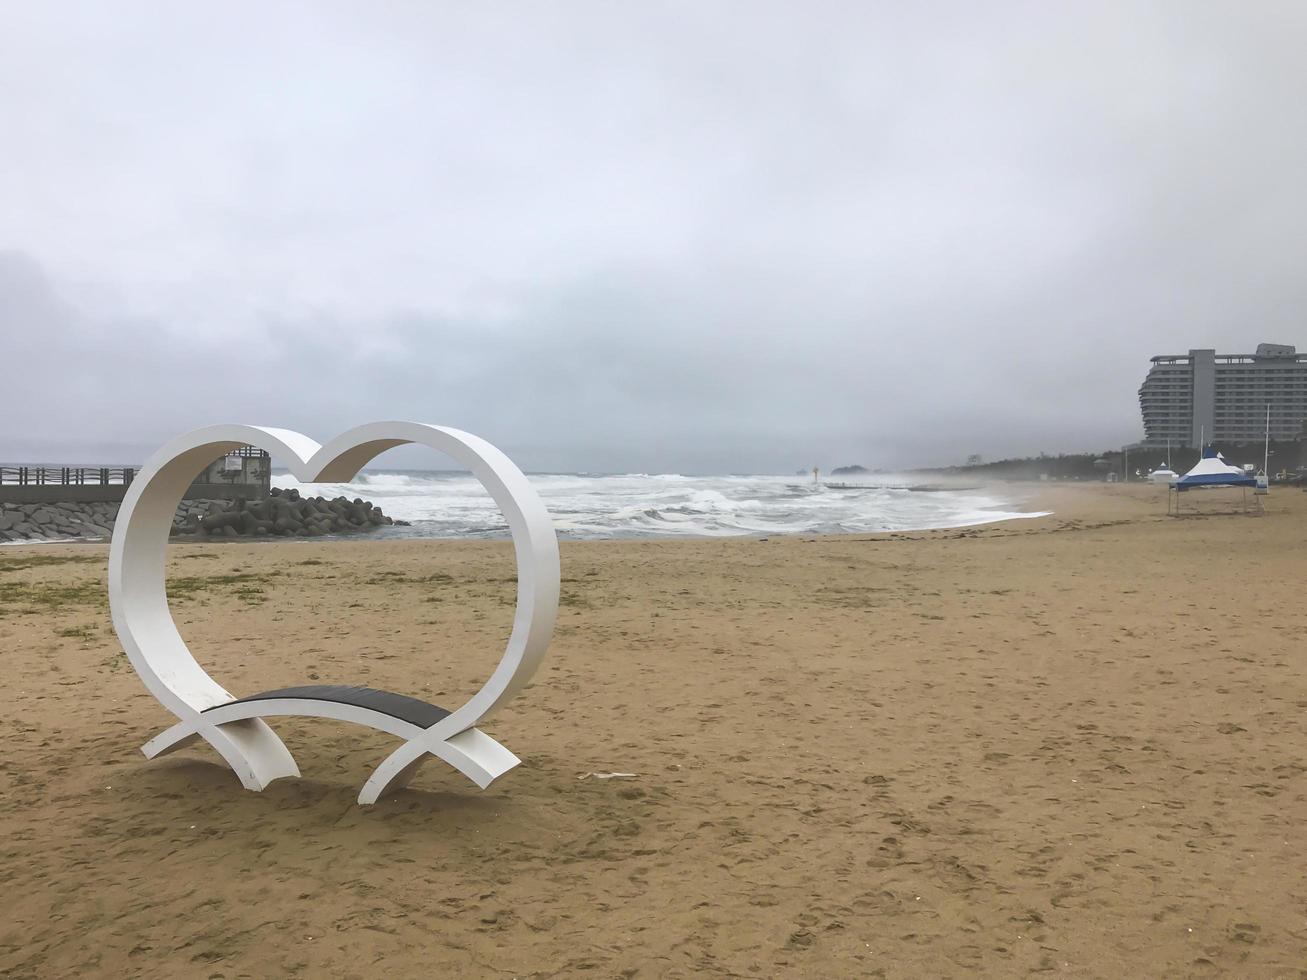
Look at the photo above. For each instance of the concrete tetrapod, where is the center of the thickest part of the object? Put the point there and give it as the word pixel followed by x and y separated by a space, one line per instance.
pixel 234 726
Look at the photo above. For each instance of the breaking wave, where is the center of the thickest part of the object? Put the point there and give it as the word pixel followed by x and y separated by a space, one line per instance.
pixel 585 506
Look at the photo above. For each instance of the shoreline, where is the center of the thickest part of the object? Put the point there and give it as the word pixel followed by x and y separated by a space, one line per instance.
pixel 1029 509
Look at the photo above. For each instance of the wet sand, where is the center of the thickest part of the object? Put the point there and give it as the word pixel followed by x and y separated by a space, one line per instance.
pixel 1070 745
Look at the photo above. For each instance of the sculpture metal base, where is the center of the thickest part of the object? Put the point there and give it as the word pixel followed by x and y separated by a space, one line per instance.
pixel 471 752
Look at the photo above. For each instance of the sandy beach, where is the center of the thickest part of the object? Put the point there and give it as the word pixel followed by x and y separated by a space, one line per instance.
pixel 1071 745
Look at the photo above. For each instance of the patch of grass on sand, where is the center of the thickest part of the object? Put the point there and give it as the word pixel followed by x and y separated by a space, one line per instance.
pixel 52 593
pixel 568 597
pixel 47 596
pixel 84 633
pixel 22 562
pixel 389 578
pixel 398 578
pixel 244 584
pixel 857 597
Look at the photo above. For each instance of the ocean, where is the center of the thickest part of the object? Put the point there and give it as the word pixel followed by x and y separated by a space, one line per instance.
pixel 443 504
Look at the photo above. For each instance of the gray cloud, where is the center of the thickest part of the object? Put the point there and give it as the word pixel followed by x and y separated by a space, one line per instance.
pixel 697 237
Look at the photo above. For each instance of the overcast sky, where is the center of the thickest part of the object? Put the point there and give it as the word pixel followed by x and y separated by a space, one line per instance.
pixel 662 236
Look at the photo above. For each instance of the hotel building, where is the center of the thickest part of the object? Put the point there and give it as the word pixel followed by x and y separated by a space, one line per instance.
pixel 1203 395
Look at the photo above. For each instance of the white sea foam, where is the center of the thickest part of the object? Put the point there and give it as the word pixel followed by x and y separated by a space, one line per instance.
pixel 443 504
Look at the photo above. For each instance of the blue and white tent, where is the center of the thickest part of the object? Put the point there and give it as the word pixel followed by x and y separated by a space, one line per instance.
pixel 1213 471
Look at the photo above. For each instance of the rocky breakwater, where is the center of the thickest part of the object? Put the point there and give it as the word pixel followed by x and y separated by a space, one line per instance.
pixel 282 514
pixel 46 522
pixel 287 514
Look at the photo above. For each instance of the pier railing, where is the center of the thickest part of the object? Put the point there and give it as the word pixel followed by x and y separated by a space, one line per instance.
pixel 66 476
pixel 38 483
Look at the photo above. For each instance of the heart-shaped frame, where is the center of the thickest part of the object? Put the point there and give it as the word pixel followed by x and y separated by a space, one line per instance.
pixel 234 727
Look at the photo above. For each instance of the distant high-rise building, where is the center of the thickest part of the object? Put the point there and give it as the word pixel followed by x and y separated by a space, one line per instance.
pixel 1203 395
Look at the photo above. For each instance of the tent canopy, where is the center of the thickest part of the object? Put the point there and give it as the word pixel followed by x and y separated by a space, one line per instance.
pixel 1213 471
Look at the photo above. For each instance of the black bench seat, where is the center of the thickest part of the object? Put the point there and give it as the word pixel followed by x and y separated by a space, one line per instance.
pixel 399 706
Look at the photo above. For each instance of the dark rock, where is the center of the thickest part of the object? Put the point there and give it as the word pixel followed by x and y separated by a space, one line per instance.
pixel 283 513
pixel 222 519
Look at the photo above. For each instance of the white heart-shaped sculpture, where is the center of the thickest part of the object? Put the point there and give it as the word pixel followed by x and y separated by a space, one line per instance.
pixel 234 727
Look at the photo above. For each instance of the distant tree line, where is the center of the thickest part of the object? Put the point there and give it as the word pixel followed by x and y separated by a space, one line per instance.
pixel 1064 466
pixel 1287 455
